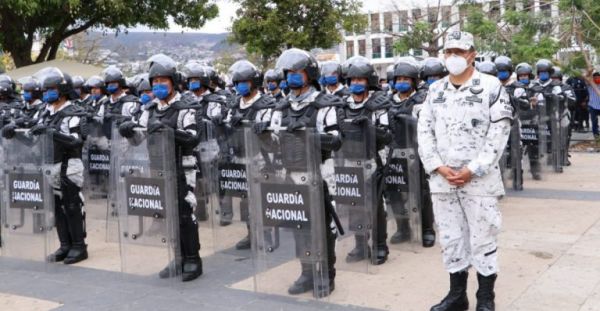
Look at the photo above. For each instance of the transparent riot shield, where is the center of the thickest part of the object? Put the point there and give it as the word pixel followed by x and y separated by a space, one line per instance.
pixel 534 135
pixel 553 141
pixel 230 220
pixel 206 190
pixel 147 203
pixel 28 200
pixel 96 160
pixel 515 154
pixel 289 199
pixel 565 134
pixel 354 193
pixel 404 186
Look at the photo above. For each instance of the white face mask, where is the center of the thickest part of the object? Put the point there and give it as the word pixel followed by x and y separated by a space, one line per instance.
pixel 456 64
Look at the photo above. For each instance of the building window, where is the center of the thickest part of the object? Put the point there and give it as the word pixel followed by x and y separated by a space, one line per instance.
pixel 417 52
pixel 546 8
pixel 376 45
pixel 494 7
pixel 389 47
pixel 446 16
pixel 362 48
pixel 527 5
pixel 349 49
pixel 403 21
pixel 510 5
pixel 375 22
pixel 387 22
pixel 432 17
pixel 416 14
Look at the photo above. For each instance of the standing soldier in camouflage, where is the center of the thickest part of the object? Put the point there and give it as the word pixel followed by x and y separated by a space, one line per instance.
pixel 463 128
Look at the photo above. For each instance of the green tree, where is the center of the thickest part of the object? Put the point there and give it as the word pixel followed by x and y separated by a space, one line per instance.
pixel 425 30
pixel 520 34
pixel 266 27
pixel 52 21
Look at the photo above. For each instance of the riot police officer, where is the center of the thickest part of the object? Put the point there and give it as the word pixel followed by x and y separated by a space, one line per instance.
pixel 98 96
pixel 368 106
pixel 168 110
pixel 520 101
pixel 529 117
pixel 488 68
pixel 567 102
pixel 306 107
pixel 432 69
pixel 10 104
pixel 211 105
pixel 82 91
pixel 252 107
pixel 406 104
pixel 65 120
pixel 273 79
pixel 331 76
pixel 120 106
pixel 34 107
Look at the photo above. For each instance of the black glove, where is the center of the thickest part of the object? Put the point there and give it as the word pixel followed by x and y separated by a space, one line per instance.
pixel 21 122
pixel 235 120
pixel 330 142
pixel 39 129
pixel 295 126
pixel 383 136
pixel 360 120
pixel 8 131
pixel 155 126
pixel 126 129
pixel 260 127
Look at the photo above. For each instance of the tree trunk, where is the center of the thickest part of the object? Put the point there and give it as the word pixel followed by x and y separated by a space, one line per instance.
pixel 21 56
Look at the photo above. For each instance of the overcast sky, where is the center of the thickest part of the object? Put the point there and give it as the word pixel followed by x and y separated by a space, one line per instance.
pixel 227 12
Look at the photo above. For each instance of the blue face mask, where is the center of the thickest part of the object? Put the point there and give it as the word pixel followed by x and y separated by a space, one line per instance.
pixel 403 87
pixel 357 89
pixel 544 76
pixel 112 88
pixel 145 98
pixel 524 81
pixel 272 86
pixel 430 81
pixel 283 84
pixel 295 80
pixel 243 88
pixel 503 75
pixel 331 80
pixel 96 96
pixel 161 91
pixel 50 96
pixel 27 96
pixel 194 85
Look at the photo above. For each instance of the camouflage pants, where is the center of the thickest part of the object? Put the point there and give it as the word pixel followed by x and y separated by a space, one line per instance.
pixel 468 228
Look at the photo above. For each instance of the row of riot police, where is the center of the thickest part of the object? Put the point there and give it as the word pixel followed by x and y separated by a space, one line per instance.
pixel 542 129
pixel 315 156
pixel 305 162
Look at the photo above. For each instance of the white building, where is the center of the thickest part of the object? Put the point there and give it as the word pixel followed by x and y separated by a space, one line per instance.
pixel 390 19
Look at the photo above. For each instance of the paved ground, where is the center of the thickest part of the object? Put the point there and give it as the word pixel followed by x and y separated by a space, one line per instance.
pixel 549 252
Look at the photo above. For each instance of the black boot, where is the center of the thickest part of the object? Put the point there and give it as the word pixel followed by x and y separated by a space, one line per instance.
pixel 192 269
pixel 78 251
pixel 62 229
pixel 428 238
pixel 245 242
pixel 485 293
pixel 456 300
pixel 361 250
pixel 381 254
pixel 304 283
pixel 402 232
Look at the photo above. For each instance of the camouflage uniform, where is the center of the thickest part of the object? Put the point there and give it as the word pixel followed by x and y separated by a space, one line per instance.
pixel 466 127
